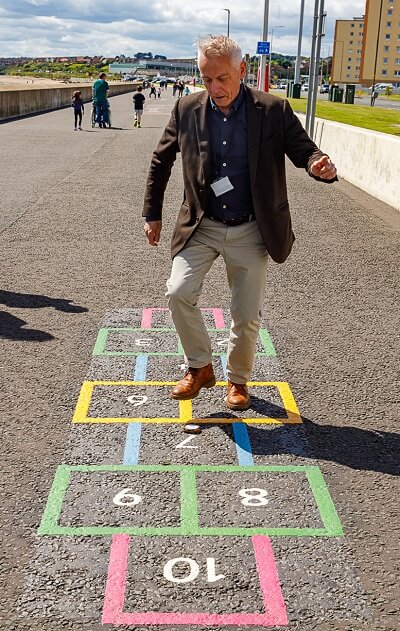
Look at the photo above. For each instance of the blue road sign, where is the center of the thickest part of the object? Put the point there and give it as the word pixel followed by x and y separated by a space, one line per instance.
pixel 262 48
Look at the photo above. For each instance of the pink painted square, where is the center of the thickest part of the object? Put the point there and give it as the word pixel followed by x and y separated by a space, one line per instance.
pixel 147 316
pixel 275 610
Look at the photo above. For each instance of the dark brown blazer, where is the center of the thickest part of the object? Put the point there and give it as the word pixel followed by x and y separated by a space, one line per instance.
pixel 273 131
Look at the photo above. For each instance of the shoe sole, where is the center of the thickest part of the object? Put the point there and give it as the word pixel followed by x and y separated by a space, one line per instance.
pixel 232 406
pixel 209 384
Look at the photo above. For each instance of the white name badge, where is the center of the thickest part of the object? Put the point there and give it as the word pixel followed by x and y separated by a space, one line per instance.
pixel 221 186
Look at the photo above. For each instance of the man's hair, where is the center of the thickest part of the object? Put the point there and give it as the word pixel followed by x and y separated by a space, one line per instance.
pixel 102 75
pixel 220 46
pixel 139 88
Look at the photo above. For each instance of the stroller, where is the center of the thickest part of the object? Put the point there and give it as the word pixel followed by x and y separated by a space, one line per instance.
pixel 101 114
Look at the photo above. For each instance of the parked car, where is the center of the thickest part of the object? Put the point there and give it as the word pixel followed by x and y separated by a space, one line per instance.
pixel 304 87
pixel 381 87
pixel 324 88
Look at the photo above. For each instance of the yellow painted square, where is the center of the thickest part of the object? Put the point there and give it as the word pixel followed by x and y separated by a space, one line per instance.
pixel 185 407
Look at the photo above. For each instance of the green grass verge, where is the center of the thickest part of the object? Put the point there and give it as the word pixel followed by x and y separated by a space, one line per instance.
pixel 374 118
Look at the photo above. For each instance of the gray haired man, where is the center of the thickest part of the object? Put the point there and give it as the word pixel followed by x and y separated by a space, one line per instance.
pixel 233 142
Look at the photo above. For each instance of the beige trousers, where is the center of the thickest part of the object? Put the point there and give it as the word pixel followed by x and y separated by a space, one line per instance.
pixel 245 257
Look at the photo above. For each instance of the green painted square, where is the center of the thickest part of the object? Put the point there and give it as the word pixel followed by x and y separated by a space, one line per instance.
pixel 264 343
pixel 189 525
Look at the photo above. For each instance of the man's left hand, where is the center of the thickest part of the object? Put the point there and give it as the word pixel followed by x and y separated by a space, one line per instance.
pixel 323 168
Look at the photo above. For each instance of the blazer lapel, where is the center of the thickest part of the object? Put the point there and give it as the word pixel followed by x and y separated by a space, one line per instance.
pixel 254 115
pixel 203 137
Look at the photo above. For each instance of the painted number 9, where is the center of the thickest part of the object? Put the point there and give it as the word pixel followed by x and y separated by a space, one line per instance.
pixel 254 497
pixel 125 498
pixel 137 399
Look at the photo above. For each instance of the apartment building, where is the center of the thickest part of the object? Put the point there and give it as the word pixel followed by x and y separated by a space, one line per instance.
pixel 367 50
pixel 347 50
pixel 381 46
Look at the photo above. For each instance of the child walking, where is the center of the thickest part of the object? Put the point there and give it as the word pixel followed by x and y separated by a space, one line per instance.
pixel 79 109
pixel 138 100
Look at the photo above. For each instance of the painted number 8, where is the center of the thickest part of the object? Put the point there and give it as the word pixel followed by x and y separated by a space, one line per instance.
pixel 254 497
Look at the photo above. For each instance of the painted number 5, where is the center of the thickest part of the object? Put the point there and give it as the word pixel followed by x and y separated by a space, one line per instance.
pixel 137 399
pixel 254 497
pixel 126 498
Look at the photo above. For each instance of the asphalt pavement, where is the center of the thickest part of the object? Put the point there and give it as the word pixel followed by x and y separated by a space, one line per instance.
pixel 112 517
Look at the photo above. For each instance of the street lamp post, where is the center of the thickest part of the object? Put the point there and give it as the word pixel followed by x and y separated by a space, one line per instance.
pixel 270 51
pixel 229 18
pixel 376 56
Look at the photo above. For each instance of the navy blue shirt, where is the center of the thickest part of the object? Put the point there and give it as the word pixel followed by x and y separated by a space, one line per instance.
pixel 229 156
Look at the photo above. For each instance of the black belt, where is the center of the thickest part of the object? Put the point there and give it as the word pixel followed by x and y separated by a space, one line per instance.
pixel 233 222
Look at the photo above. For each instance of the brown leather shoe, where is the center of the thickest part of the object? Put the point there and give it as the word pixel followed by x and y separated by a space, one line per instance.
pixel 194 379
pixel 238 397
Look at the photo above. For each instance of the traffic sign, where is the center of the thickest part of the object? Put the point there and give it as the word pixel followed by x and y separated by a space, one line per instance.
pixel 263 48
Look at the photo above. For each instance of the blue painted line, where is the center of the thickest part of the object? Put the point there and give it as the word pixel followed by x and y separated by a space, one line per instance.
pixel 223 364
pixel 140 368
pixel 134 430
pixel 243 447
pixel 132 443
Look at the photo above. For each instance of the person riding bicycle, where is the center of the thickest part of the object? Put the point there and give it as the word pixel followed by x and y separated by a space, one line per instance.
pixel 100 91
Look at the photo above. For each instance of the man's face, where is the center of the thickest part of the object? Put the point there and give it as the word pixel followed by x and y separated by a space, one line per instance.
pixel 221 76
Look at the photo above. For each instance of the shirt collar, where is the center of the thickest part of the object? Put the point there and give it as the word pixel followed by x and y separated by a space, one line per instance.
pixel 234 106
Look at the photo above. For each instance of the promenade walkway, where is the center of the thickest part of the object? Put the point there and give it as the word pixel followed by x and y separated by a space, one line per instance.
pixel 111 516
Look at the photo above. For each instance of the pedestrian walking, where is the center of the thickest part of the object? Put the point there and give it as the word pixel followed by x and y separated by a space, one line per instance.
pixel 181 86
pixel 138 102
pixel 79 109
pixel 186 91
pixel 153 91
pixel 174 88
pixel 159 92
pixel 233 140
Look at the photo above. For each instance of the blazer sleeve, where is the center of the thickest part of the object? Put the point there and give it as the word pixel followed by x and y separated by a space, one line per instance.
pixel 299 147
pixel 160 168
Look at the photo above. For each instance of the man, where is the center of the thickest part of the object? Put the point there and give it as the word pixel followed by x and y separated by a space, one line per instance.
pixel 233 142
pixel 100 91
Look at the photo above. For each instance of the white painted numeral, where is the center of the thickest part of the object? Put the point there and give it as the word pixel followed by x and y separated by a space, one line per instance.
pixel 143 341
pixel 137 399
pixel 194 570
pixel 254 497
pixel 125 498
pixel 183 444
pixel 223 342
pixel 212 577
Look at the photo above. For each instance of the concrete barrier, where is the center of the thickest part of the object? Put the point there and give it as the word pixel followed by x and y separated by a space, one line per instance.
pixel 367 159
pixel 15 103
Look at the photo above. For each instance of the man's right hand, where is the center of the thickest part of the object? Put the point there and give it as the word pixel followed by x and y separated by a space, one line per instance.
pixel 152 231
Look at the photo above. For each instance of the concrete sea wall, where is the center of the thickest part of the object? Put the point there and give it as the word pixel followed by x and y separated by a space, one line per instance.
pixel 367 159
pixel 14 103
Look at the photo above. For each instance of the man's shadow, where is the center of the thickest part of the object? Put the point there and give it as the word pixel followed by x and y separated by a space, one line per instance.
pixel 361 449
pixel 11 328
pixel 35 301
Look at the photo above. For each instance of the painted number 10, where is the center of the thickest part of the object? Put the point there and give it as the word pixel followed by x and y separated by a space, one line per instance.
pixel 193 570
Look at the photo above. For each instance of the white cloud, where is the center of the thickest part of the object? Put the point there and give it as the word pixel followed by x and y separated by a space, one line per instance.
pixel 51 27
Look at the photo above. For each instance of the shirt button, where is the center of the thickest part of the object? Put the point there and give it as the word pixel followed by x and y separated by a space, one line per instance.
pixel 225 120
pixel 224 142
pixel 224 164
pixel 224 206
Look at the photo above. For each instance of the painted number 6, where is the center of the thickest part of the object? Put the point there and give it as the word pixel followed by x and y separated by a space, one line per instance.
pixel 125 498
pixel 254 497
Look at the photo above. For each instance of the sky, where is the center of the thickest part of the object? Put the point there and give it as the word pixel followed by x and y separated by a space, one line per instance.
pixel 37 28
